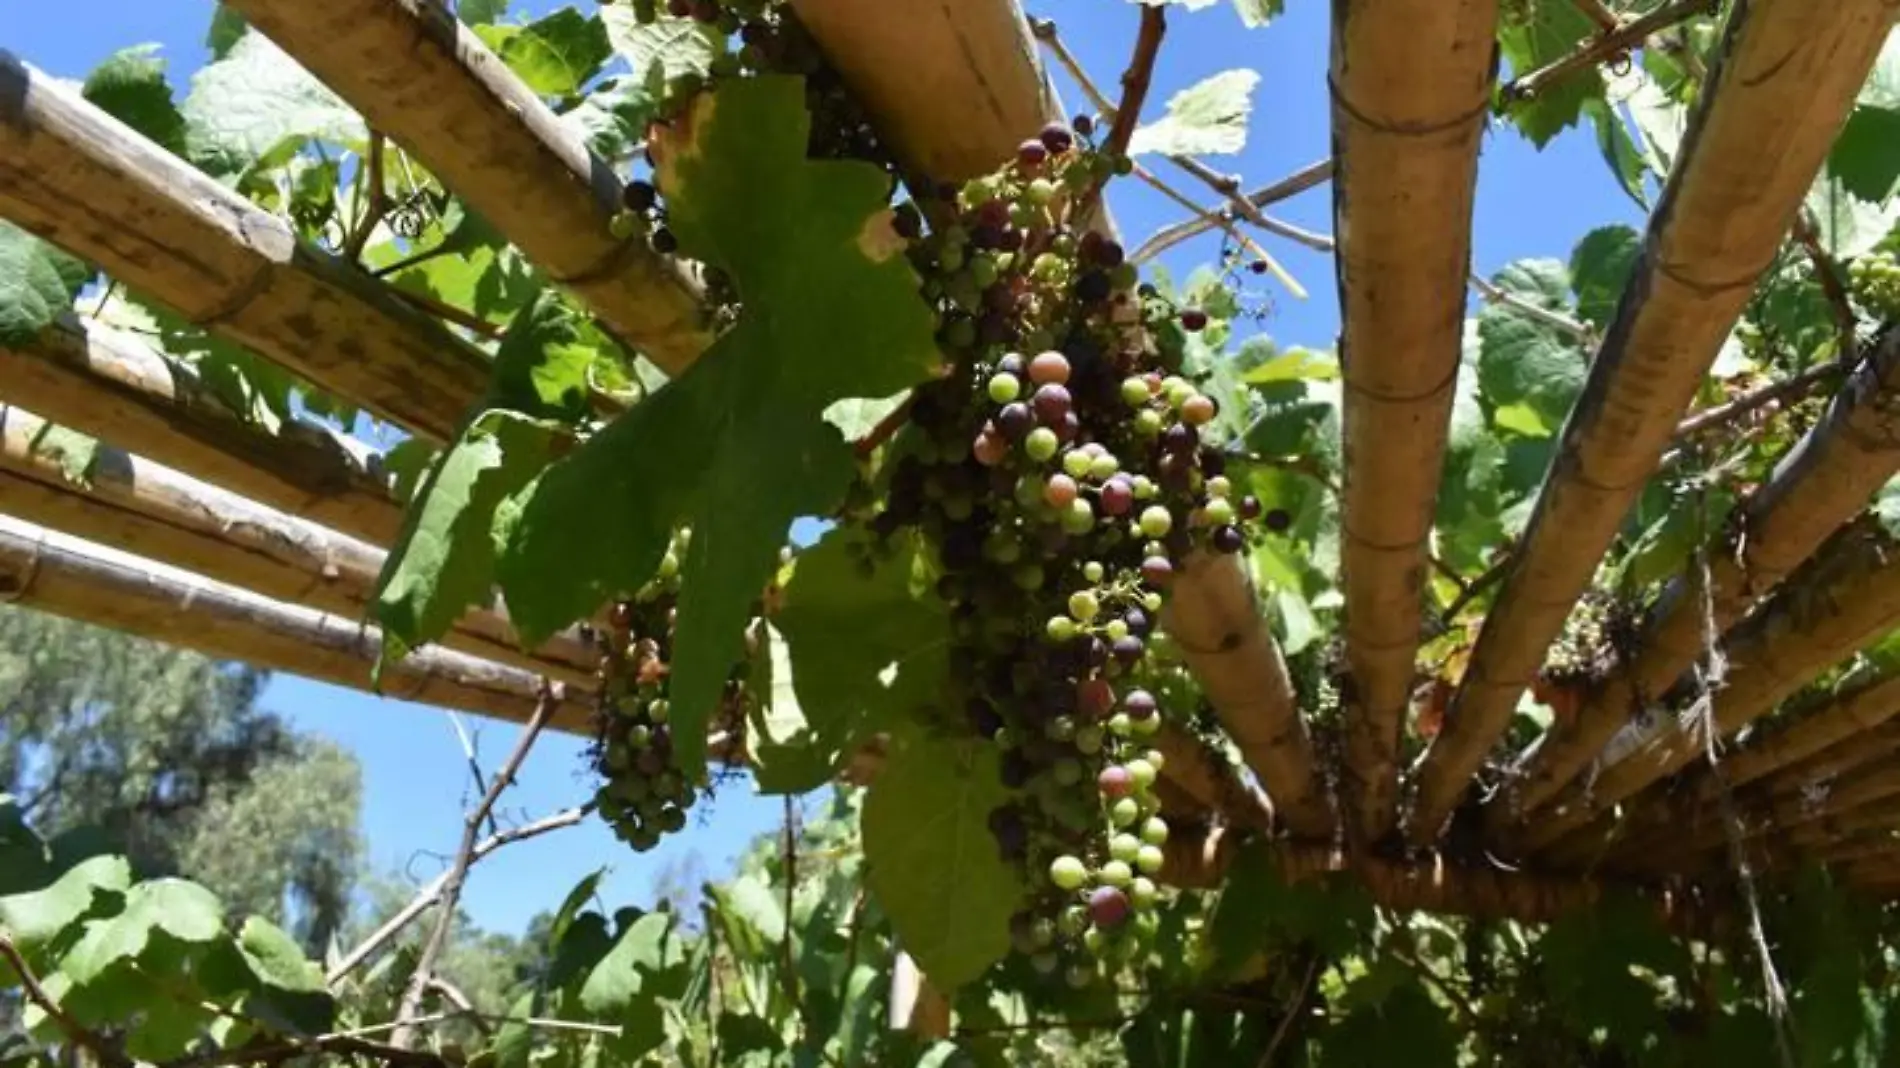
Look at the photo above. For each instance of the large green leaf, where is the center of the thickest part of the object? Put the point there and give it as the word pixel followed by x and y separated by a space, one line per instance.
pixel 930 857
pixel 1866 157
pixel 1545 32
pixel 541 366
pixel 661 50
pixel 1600 266
pixel 1587 961
pixel 1405 1026
pixel 36 918
pixel 1257 13
pixel 179 911
pixel 255 100
pixel 444 561
pixel 867 644
pixel 736 448
pixel 1208 117
pixel 23 860
pixel 130 86
pixel 37 284
pixel 625 987
pixel 556 55
pixel 1529 372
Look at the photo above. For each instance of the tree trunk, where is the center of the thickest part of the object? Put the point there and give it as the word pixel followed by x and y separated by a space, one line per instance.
pixel 1785 75
pixel 79 178
pixel 423 78
pixel 1823 482
pixel 1411 87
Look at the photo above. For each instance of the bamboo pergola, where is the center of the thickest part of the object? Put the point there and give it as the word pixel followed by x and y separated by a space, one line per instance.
pixel 263 544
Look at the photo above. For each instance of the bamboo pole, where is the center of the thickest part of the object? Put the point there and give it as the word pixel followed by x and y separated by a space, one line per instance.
pixel 1843 598
pixel 79 178
pixel 1411 86
pixel 1215 620
pixel 65 576
pixel 1785 75
pixel 953 88
pixel 108 384
pixel 157 513
pixel 1432 884
pixel 424 79
pixel 1823 482
pixel 1200 775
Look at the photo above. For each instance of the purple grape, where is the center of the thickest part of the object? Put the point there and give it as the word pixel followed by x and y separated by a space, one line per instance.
pixel 1057 137
pixel 1093 287
pixel 1052 403
pixel 1139 703
pixel 1069 427
pixel 1279 520
pixel 1015 421
pixel 1114 781
pixel 1157 570
pixel 1016 769
pixel 1118 496
pixel 1179 439
pixel 1108 907
pixel 1011 364
pixel 993 213
pixel 1032 153
pixel 1084 125
pixel 1250 507
pixel 1128 650
pixel 1229 539
pixel 1138 622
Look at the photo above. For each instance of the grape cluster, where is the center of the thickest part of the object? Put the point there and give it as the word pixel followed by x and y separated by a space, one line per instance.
pixel 645 794
pixel 1875 282
pixel 1061 475
pixel 1583 643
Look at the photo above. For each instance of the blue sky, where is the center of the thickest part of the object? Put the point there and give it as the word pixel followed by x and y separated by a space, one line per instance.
pixel 1530 203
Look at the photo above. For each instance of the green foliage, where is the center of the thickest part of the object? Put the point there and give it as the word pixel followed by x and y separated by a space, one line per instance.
pixel 932 861
pixel 1544 33
pixel 556 55
pixel 1208 117
pixel 751 408
pixel 37 284
pixel 130 86
pixel 256 104
pixel 1529 371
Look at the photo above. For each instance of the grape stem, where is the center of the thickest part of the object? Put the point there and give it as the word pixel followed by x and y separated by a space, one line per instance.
pixel 1828 273
pixel 377 204
pixel 1135 82
pixel 885 429
pixel 1604 47
pixel 75 1032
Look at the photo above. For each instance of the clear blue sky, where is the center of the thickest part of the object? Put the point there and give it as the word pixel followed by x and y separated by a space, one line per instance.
pixel 415 779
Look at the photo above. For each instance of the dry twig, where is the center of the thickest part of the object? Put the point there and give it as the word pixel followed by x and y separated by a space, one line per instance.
pixel 1605 47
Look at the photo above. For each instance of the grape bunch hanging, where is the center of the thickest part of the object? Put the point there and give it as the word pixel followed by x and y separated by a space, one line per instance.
pixel 1064 475
pixel 645 794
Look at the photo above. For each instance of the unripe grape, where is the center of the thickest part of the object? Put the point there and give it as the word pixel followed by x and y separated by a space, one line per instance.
pixel 1061 629
pixel 1088 740
pixel 1067 772
pixel 1144 728
pixel 1068 873
pixel 1218 512
pixel 1115 873
pixel 1147 422
pixel 1142 893
pixel 1041 444
pixel 1076 463
pixel 1124 847
pixel 1142 772
pixel 1149 860
pixel 1154 831
pixel 1116 629
pixel 1219 486
pixel 1079 518
pixel 1092 571
pixel 1079 976
pixel 1104 466
pixel 1120 725
pixel 1045 963
pixel 1004 388
pixel 1083 605
pixel 1156 521
pixel 1135 391
pixel 1073 921
pixel 1124 812
pixel 1155 759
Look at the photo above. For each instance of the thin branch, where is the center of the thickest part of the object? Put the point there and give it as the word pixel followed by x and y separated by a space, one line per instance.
pixel 1044 30
pixel 552 695
pixel 1169 236
pixel 1828 273
pixel 449 312
pixel 1594 10
pixel 1729 411
pixel 377 206
pixel 1583 332
pixel 1228 186
pixel 474 763
pixel 1476 586
pixel 442 248
pixel 1135 82
pixel 1292 284
pixel 432 893
pixel 791 882
pixel 885 429
pixel 1286 1019
pixel 75 1032
pixel 1605 47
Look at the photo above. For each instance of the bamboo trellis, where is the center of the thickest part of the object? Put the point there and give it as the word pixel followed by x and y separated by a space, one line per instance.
pixel 300 517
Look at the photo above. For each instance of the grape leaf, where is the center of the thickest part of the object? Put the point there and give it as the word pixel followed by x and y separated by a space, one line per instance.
pixel 866 646
pixel 1546 33
pixel 736 448
pixel 478 12
pixel 1600 266
pixel 1257 13
pixel 1586 960
pixel 37 284
pixel 23 861
pixel 930 857
pixel 130 86
pixel 73 451
pixel 662 50
pixel 444 560
pixel 1866 157
pixel 253 102
pixel 541 365
pixel 1206 118
pixel 227 26
pixel 36 918
pixel 555 55
pixel 1529 372
pixel 1619 149
pixel 1405 1026
pixel 173 908
pixel 625 986
pixel 1849 226
pixel 613 117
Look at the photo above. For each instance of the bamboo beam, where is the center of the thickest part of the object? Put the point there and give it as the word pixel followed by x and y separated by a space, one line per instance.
pixel 1198 774
pixel 157 513
pixel 1411 86
pixel 1846 596
pixel 81 179
pixel 1851 722
pixel 953 88
pixel 424 79
pixel 53 573
pixel 108 384
pixel 1214 618
pixel 1823 482
pixel 1428 885
pixel 1785 75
